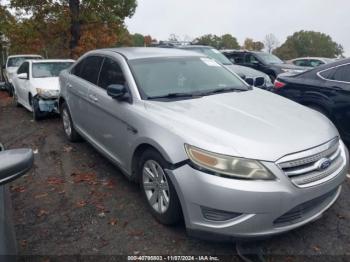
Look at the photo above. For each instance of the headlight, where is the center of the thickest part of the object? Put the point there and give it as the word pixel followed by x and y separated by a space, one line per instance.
pixel 44 93
pixel 228 166
pixel 268 80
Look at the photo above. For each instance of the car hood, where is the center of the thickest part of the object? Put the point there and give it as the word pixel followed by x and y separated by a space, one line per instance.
pixel 253 124
pixel 246 71
pixel 49 83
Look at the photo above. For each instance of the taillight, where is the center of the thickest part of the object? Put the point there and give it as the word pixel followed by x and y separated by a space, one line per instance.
pixel 279 84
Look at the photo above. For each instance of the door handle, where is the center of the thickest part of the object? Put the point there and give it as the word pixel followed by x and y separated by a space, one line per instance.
pixel 69 85
pixel 93 98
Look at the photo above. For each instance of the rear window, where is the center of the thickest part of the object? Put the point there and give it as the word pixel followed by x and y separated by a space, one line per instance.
pixel 17 61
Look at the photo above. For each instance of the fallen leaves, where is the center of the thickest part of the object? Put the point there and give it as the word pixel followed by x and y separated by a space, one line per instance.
pixel 316 248
pixel 113 222
pixel 81 203
pixel 67 149
pixel 24 243
pixel 89 178
pixel 41 195
pixel 42 212
pixel 18 189
pixel 55 181
pixel 136 233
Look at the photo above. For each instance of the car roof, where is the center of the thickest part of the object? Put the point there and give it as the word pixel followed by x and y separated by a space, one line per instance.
pixel 51 60
pixel 194 46
pixel 311 57
pixel 12 56
pixel 131 53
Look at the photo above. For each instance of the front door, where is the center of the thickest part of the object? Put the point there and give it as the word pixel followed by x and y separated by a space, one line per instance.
pixel 111 117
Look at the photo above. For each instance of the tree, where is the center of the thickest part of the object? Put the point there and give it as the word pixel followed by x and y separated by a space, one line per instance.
pixel 226 41
pixel 309 43
pixel 271 42
pixel 251 45
pixel 76 18
pixel 138 40
pixel 148 40
pixel 173 38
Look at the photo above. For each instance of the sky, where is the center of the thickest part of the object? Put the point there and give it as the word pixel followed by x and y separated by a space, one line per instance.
pixel 242 18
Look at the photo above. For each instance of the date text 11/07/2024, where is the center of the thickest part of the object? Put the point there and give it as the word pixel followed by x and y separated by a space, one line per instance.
pixel 173 258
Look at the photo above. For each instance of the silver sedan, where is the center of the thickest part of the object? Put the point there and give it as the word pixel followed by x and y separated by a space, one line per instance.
pixel 227 158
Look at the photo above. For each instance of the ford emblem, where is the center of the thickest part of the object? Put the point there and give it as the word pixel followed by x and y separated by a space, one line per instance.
pixel 323 164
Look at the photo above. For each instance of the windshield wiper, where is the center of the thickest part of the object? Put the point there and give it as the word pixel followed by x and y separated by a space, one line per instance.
pixel 175 95
pixel 223 90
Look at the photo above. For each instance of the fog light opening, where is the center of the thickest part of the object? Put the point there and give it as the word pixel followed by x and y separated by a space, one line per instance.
pixel 218 215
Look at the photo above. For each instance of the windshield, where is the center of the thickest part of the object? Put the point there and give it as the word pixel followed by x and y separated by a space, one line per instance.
pixel 162 76
pixel 215 54
pixel 52 69
pixel 270 58
pixel 17 61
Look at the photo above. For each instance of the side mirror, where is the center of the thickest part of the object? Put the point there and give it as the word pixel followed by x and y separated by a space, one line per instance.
pixel 22 76
pixel 3 67
pixel 15 163
pixel 256 63
pixel 118 92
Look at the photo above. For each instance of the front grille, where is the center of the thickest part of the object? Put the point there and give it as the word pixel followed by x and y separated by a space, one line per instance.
pixel 309 169
pixel 257 82
pixel 301 211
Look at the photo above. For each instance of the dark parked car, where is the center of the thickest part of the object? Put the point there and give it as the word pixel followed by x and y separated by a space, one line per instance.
pixel 264 62
pixel 251 76
pixel 325 89
pixel 14 163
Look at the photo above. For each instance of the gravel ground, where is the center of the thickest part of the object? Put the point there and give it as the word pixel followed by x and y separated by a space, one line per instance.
pixel 76 202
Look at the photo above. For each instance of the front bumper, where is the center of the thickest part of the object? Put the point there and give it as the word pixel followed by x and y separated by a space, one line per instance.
pixel 48 105
pixel 260 205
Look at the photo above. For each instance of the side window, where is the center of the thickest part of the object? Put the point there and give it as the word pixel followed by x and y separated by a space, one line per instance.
pixel 342 74
pixel 76 70
pixel 315 63
pixel 24 68
pixel 251 59
pixel 302 62
pixel 90 69
pixel 237 58
pixel 111 73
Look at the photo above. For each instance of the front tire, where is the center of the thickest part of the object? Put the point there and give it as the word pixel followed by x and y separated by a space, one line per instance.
pixel 68 125
pixel 37 114
pixel 157 188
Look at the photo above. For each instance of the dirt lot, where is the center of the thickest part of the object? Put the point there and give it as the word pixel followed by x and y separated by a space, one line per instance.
pixel 75 202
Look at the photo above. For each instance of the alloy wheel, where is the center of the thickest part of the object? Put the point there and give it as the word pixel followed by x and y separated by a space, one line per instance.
pixel 66 122
pixel 156 186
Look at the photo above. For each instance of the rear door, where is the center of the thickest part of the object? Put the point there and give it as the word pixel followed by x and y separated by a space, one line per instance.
pixel 83 76
pixel 339 83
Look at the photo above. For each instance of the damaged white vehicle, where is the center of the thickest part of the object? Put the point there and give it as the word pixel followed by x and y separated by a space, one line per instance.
pixel 36 85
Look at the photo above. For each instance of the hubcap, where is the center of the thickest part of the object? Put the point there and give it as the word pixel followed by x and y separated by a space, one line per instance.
pixel 156 186
pixel 66 122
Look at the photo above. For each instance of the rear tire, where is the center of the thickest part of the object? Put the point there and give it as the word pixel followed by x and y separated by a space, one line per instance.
pixel 157 188
pixel 68 125
pixel 15 99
